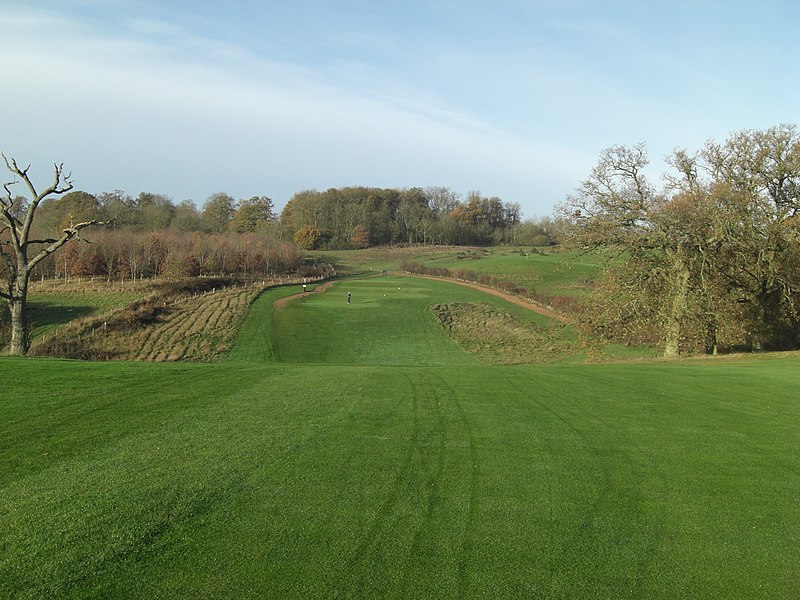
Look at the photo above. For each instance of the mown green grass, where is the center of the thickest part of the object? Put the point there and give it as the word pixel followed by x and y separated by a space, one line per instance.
pixel 389 322
pixel 267 476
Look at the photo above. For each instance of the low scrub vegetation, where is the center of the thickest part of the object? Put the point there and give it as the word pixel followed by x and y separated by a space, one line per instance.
pixel 195 319
pixel 129 255
pixel 498 337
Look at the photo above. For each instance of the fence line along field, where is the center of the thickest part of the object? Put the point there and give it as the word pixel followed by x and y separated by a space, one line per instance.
pixel 53 303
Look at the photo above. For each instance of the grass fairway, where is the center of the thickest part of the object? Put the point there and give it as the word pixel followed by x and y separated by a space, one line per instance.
pixel 354 452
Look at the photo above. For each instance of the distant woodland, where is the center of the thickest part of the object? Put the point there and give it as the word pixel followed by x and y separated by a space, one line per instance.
pixel 149 235
pixel 360 217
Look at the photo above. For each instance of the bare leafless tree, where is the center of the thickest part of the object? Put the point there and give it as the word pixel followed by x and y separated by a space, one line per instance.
pixel 20 252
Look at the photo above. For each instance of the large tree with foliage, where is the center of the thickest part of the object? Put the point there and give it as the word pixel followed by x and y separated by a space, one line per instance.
pixel 616 209
pixel 712 257
pixel 252 214
pixel 759 174
pixel 21 250
pixel 218 211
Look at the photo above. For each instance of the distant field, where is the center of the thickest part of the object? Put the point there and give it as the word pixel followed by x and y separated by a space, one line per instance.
pixel 377 259
pixel 389 322
pixel 550 274
pixel 358 452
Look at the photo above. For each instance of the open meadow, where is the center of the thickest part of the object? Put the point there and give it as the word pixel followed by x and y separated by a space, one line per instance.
pixel 371 450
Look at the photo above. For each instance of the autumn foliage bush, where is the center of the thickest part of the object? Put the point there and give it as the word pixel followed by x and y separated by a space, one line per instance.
pixel 117 254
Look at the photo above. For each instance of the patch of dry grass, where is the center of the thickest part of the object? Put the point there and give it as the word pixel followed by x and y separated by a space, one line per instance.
pixel 499 337
pixel 195 320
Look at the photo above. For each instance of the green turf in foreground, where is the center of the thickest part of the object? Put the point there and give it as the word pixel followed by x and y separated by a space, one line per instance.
pixel 244 479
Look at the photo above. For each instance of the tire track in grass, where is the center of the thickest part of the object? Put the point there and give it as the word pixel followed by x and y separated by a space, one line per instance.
pixel 587 529
pixel 413 527
pixel 466 550
pixel 384 420
pixel 433 493
pixel 432 484
pixel 379 529
pixel 634 498
pixel 555 561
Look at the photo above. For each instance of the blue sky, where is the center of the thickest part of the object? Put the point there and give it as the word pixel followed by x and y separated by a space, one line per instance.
pixel 515 99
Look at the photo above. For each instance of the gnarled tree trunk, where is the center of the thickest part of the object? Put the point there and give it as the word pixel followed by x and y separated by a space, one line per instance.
pixel 17 306
pixel 677 311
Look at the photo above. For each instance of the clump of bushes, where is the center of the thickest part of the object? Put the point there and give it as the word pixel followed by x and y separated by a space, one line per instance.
pixel 498 336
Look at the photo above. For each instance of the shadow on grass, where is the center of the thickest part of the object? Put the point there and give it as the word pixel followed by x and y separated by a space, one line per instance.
pixel 46 316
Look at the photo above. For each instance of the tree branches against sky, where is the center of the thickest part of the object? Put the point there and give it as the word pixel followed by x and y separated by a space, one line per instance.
pixel 512 98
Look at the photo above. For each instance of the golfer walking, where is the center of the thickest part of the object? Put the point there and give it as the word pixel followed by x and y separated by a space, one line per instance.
pixel 348 297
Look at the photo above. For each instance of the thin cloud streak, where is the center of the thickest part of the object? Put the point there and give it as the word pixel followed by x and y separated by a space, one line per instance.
pixel 205 124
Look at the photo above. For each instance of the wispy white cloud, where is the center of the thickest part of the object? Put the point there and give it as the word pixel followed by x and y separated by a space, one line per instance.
pixel 132 109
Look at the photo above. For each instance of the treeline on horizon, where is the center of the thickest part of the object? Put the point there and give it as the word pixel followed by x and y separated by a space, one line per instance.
pixel 336 219
pixel 150 236
pixel 362 217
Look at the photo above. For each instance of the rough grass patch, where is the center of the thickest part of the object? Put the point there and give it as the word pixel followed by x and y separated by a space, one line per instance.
pixel 190 320
pixel 498 336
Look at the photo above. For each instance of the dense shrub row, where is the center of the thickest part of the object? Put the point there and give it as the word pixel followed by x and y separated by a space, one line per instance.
pixel 172 254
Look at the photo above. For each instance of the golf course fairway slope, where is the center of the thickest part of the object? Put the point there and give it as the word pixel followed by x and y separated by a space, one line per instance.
pixel 355 451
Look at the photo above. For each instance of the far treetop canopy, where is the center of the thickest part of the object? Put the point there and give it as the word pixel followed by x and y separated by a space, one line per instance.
pixel 355 217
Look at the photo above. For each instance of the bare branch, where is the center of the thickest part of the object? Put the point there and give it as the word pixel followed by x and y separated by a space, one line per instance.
pixel 59 178
pixel 67 235
pixel 7 200
pixel 43 241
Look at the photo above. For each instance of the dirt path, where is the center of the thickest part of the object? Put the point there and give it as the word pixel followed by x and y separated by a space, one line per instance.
pixel 281 302
pixel 537 308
